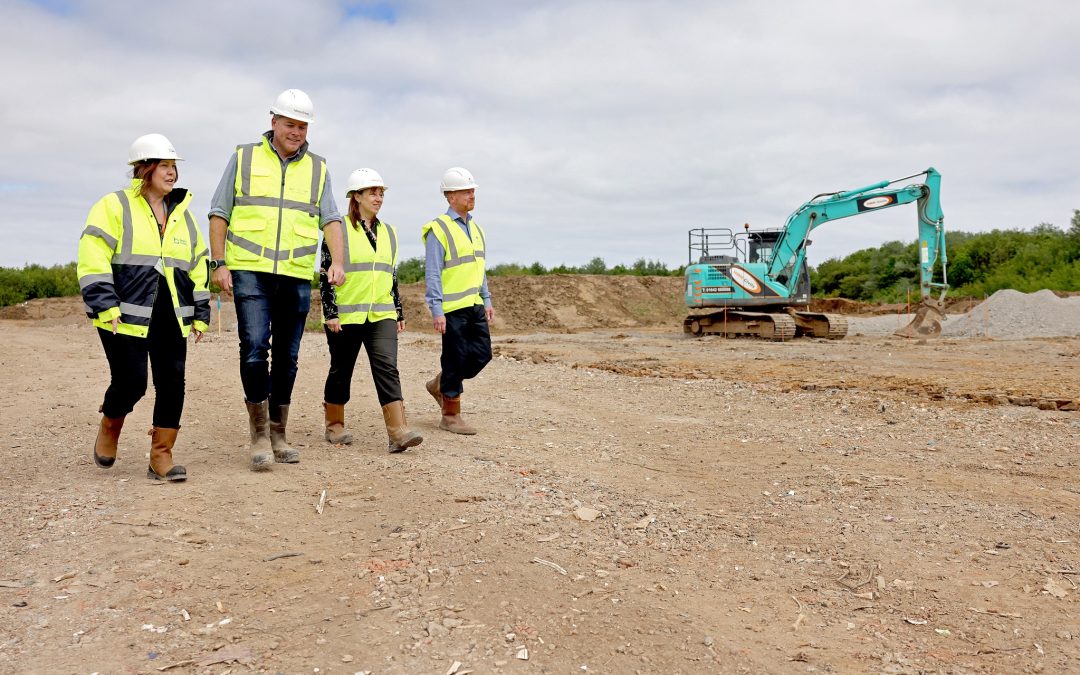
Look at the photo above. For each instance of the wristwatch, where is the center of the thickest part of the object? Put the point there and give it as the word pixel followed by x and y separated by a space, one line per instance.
pixel 214 264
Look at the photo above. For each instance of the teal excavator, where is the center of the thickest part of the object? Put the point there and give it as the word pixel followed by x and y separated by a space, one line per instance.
pixel 756 283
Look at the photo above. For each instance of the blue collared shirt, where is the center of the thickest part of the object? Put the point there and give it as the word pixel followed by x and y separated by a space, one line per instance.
pixel 434 263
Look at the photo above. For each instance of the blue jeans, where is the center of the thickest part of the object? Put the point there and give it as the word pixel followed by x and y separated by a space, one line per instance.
pixel 271 310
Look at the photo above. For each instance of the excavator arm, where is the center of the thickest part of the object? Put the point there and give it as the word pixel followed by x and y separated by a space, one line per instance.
pixel 789 251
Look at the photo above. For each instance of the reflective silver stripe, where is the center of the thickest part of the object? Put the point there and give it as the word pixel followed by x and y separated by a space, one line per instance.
pixel 393 244
pixel 135 310
pixel 382 267
pixel 450 297
pixel 269 253
pixel 193 234
pixel 274 202
pixel 480 252
pixel 202 295
pixel 136 259
pixel 460 261
pixel 317 164
pixel 365 308
pixel 128 233
pixel 247 151
pixel 95 231
pixel 177 263
pixel 185 311
pixel 90 279
pixel 199 256
pixel 451 247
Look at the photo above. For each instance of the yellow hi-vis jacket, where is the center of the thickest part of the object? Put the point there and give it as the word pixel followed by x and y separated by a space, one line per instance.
pixel 463 274
pixel 274 226
pixel 369 275
pixel 122 256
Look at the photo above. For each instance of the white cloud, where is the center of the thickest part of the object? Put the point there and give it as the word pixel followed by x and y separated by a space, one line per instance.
pixel 594 128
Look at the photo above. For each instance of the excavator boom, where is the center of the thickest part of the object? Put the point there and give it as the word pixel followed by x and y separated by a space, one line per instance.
pixel 778 280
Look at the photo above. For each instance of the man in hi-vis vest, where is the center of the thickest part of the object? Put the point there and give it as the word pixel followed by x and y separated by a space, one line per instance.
pixel 457 295
pixel 265 218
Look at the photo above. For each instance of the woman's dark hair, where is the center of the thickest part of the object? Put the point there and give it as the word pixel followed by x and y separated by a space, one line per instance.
pixel 144 169
pixel 354 208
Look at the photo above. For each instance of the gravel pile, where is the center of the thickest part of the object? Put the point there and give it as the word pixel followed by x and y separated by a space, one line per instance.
pixel 1005 315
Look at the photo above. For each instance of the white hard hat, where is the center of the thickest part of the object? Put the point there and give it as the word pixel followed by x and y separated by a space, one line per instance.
pixel 363 178
pixel 151 146
pixel 294 104
pixel 457 178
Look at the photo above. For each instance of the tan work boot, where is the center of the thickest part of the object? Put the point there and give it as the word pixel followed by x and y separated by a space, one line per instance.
pixel 400 435
pixel 282 452
pixel 432 387
pixel 108 438
pixel 452 420
pixel 262 456
pixel 161 464
pixel 335 423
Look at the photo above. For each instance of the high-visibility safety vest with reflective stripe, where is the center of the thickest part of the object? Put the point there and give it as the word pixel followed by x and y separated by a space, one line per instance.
pixel 463 273
pixel 369 275
pixel 274 225
pixel 122 257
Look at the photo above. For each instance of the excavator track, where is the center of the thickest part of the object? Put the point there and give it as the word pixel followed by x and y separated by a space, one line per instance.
pixel 819 325
pixel 732 324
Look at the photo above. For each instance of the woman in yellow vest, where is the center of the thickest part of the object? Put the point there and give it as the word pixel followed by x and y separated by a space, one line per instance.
pixel 365 311
pixel 143 272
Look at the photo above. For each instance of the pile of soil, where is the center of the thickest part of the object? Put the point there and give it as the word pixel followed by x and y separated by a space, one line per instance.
pixel 560 303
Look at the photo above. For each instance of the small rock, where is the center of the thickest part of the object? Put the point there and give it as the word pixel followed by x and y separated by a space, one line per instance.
pixel 347 658
pixel 435 629
pixel 708 641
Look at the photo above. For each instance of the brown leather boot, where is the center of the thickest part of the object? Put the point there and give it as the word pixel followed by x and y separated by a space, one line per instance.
pixel 452 420
pixel 108 437
pixel 432 387
pixel 262 457
pixel 279 419
pixel 335 424
pixel 161 464
pixel 400 435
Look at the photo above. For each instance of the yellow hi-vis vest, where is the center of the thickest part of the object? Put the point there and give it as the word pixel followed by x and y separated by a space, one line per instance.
pixel 463 274
pixel 274 225
pixel 122 257
pixel 369 275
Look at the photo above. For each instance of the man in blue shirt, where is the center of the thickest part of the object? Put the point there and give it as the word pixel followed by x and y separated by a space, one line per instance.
pixel 457 295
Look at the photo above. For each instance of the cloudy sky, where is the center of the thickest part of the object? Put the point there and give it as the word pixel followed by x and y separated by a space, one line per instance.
pixel 594 128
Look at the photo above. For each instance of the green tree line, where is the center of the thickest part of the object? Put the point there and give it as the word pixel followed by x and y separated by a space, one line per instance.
pixel 978 264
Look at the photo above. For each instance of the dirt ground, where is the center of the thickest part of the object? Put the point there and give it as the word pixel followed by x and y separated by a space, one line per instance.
pixel 637 501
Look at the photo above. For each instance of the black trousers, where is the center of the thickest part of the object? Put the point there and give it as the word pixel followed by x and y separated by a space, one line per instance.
pixel 380 339
pixel 466 348
pixel 127 355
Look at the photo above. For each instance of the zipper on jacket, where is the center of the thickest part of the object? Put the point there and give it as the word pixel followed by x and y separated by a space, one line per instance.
pixel 280 212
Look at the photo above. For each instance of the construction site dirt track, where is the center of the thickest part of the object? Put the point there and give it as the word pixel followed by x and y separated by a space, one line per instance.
pixel 636 501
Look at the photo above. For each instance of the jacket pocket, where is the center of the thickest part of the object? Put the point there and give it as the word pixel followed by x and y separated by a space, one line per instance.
pixel 307 229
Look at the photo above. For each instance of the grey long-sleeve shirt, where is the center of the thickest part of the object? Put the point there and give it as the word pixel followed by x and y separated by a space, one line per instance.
pixel 221 204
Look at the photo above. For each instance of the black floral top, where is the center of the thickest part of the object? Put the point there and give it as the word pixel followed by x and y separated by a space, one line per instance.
pixel 329 293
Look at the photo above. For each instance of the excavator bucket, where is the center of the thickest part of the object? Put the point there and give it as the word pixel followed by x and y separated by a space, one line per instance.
pixel 927 321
